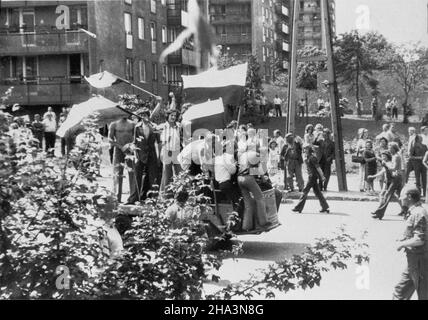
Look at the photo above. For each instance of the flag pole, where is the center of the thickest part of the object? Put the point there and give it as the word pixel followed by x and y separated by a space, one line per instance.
pixel 136 87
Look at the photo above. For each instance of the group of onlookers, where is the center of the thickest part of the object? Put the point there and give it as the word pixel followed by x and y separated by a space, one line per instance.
pixel 391 161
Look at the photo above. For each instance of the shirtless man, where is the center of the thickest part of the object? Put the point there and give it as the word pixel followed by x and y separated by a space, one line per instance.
pixel 121 135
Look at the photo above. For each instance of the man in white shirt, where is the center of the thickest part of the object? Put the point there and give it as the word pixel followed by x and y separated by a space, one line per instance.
pixel 277 103
pixel 263 104
pixel 171 146
pixel 320 103
pixel 50 112
pixel 224 167
pixel 50 126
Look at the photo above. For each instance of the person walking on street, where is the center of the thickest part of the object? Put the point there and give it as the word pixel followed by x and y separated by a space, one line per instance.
pixel 277 104
pixel 415 244
pixel 302 107
pixel 121 136
pixel 371 166
pixel 50 126
pixel 313 172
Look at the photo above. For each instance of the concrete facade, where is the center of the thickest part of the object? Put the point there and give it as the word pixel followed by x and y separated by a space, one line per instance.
pixel 261 28
pixel 46 64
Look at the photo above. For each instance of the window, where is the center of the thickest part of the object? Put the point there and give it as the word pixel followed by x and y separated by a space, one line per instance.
pixel 153 36
pixel 128 1
pixel 164 74
pixel 128 30
pixel 153 6
pixel 172 34
pixel 163 2
pixel 164 35
pixel 141 29
pixel 155 72
pixel 142 70
pixel 129 72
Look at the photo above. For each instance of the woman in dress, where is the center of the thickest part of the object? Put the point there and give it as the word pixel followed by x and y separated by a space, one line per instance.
pixel 383 146
pixel 309 137
pixel 371 165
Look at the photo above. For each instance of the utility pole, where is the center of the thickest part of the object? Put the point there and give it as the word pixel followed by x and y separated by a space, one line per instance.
pixel 292 87
pixel 336 123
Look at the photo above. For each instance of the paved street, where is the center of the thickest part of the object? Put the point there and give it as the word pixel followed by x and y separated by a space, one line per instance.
pixel 299 230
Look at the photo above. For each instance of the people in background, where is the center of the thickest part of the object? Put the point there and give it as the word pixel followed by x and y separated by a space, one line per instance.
pixel 394 108
pixel 50 127
pixel 121 136
pixel 371 166
pixel 291 154
pixel 38 129
pixel 328 157
pixel 382 146
pixel 302 107
pixel 361 145
pixel 309 136
pixel 415 163
pixel 277 102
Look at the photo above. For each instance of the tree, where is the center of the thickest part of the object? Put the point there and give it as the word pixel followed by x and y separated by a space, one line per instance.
pixel 307 72
pixel 409 65
pixel 357 56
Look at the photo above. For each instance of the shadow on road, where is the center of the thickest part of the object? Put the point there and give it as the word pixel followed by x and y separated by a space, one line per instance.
pixel 271 251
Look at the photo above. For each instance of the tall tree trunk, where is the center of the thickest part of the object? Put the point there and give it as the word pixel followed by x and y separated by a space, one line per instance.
pixel 357 90
pixel 405 109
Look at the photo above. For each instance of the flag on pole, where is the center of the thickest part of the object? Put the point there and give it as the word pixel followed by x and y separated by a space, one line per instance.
pixel 196 26
pixel 109 111
pixel 213 84
pixel 103 80
pixel 208 115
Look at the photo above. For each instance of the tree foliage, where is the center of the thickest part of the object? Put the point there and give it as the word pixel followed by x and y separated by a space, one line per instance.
pixel 307 72
pixel 357 56
pixel 409 66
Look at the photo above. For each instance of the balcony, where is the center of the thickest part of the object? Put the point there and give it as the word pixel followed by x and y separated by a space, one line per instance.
pixel 233 38
pixel 49 91
pixel 230 18
pixel 309 23
pixel 39 42
pixel 310 9
pixel 183 57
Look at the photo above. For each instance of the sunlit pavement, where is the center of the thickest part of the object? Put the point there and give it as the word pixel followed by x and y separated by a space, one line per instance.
pixel 299 230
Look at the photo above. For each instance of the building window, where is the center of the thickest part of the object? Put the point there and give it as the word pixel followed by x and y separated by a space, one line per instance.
pixel 164 74
pixel 155 72
pixel 128 30
pixel 164 35
pixel 142 70
pixel 141 29
pixel 153 6
pixel 172 34
pixel 129 72
pixel 163 2
pixel 128 1
pixel 153 36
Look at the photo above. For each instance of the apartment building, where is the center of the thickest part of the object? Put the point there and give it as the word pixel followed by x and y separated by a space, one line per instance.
pixel 310 27
pixel 47 47
pixel 260 28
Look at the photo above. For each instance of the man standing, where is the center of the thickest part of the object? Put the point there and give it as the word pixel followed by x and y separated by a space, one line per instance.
pixel 384 134
pixel 416 155
pixel 394 108
pixel 146 153
pixel 302 107
pixel 121 135
pixel 38 130
pixel 424 134
pixel 374 108
pixel 328 157
pixel 277 103
pixel 50 111
pixel 263 104
pixel 49 123
pixel 292 156
pixel 415 244
pixel 171 146
pixel 320 103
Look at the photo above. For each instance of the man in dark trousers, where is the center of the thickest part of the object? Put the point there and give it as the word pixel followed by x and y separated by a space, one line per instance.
pixel 314 171
pixel 327 158
pixel 416 155
pixel 121 136
pixel 415 244
pixel 291 153
pixel 146 166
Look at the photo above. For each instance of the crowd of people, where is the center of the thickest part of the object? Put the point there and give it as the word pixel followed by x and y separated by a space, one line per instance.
pixel 391 161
